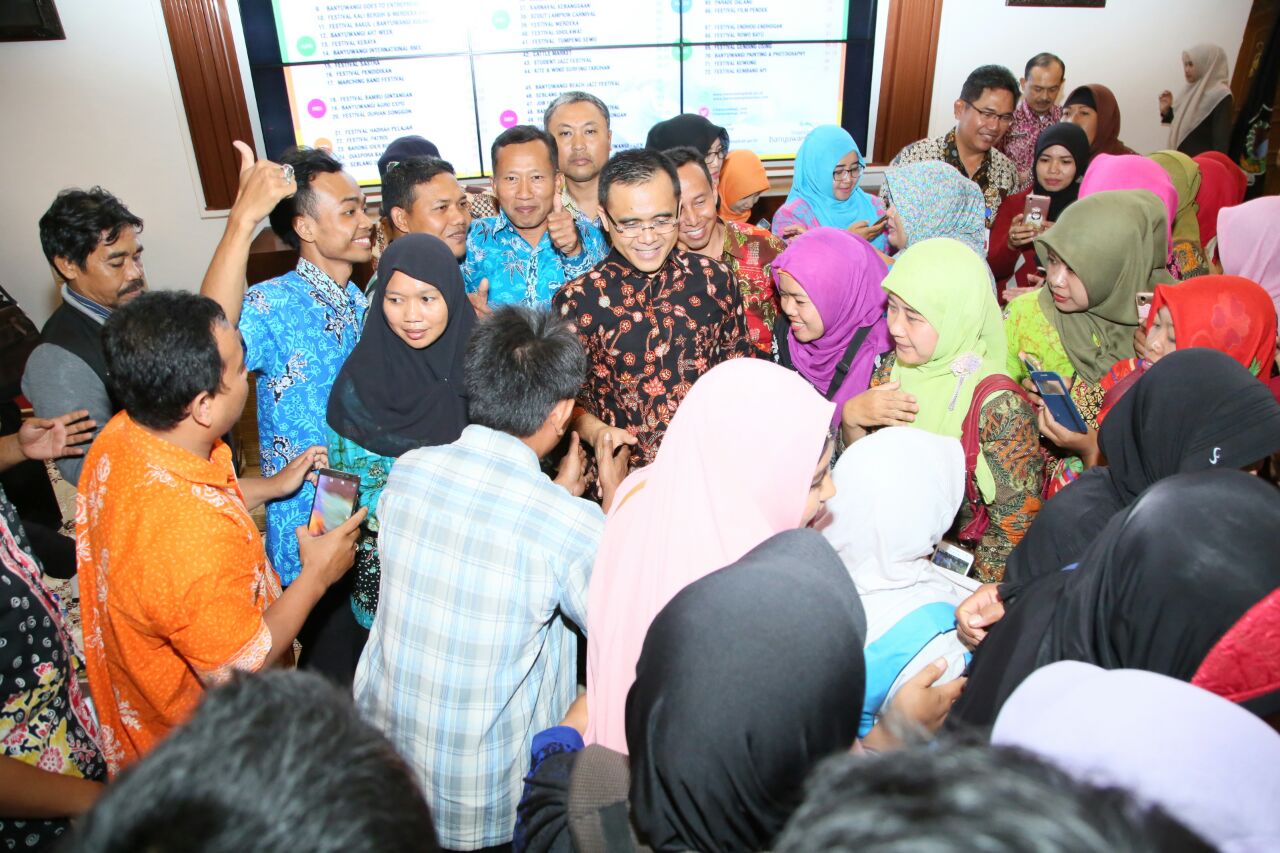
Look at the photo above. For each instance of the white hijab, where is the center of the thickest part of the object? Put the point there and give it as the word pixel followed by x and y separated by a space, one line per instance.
pixel 897 492
pixel 1198 99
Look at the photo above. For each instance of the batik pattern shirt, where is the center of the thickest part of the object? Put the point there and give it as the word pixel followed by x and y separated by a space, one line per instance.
pixel 45 720
pixel 174 583
pixel 298 329
pixel 650 336
pixel 749 253
pixel 522 274
pixel 997 177
pixel 1019 144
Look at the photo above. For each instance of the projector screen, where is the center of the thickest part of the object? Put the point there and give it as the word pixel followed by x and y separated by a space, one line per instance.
pixel 352 75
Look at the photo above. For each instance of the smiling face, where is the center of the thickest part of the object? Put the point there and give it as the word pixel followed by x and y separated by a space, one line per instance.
pixel 982 124
pixel 698 214
pixel 336 227
pixel 440 207
pixel 844 177
pixel 112 273
pixel 415 310
pixel 643 220
pixel 895 232
pixel 1068 291
pixel 1086 118
pixel 1055 168
pixel 524 180
pixel 1160 340
pixel 802 314
pixel 914 337
pixel 583 139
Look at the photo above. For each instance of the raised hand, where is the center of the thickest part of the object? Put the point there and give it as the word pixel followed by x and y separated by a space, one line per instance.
pixel 560 224
pixel 54 438
pixel 263 184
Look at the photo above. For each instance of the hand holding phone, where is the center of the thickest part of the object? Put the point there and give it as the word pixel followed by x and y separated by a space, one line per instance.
pixel 1036 211
pixel 1144 300
pixel 1056 394
pixel 953 558
pixel 334 500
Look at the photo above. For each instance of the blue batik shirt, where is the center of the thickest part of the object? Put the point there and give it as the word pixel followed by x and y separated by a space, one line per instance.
pixel 520 273
pixel 298 329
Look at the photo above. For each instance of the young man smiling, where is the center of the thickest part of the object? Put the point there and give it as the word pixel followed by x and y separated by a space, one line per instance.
pixel 746 250
pixel 984 113
pixel 651 317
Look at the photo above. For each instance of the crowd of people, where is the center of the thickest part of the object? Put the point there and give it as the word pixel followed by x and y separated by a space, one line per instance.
pixel 940 517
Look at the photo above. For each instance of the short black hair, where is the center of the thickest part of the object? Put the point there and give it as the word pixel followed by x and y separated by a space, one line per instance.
pixel 519 135
pixel 685 155
pixel 520 363
pixel 990 77
pixel 970 796
pixel 306 163
pixel 273 762
pixel 636 166
pixel 78 220
pixel 1044 60
pixel 161 353
pixel 402 179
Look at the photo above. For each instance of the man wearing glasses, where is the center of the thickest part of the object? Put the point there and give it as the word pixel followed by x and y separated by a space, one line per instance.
pixel 1041 86
pixel 984 114
pixel 651 317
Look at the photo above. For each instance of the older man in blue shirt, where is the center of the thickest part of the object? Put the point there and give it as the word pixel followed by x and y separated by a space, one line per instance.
pixel 533 246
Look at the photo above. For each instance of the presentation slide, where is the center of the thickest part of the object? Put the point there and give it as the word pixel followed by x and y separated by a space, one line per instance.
pixel 359 73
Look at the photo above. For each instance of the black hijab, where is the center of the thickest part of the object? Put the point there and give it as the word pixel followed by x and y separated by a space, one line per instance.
pixel 1156 591
pixel 686 129
pixel 1192 410
pixel 1074 139
pixel 747 679
pixel 390 398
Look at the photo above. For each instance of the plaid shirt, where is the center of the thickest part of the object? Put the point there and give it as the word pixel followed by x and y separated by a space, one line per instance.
pixel 1019 144
pixel 468 658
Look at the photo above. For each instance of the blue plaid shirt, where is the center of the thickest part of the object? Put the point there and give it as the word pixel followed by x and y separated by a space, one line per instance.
pixel 468 657
pixel 521 273
pixel 298 329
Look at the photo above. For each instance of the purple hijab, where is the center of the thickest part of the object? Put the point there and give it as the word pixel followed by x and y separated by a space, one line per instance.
pixel 841 273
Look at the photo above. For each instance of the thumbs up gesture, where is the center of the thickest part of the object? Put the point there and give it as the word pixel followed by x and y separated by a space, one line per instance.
pixel 262 185
pixel 560 224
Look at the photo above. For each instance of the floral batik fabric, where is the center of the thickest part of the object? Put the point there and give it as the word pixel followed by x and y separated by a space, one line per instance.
pixel 649 336
pixel 174 583
pixel 45 720
pixel 298 329
pixel 749 253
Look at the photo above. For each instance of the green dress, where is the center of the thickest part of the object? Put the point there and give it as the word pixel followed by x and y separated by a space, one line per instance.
pixel 372 469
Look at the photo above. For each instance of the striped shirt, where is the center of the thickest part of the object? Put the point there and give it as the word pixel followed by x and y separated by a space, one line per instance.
pixel 469 657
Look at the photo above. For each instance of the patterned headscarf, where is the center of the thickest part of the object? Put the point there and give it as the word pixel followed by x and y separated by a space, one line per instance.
pixel 935 200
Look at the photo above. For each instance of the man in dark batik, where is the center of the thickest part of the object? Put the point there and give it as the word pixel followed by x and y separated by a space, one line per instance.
pixel 652 318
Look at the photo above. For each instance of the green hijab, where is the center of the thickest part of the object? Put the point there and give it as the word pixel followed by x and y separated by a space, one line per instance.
pixel 1185 174
pixel 1115 242
pixel 950 285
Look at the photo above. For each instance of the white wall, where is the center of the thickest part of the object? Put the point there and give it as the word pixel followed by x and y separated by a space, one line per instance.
pixel 1134 47
pixel 103 108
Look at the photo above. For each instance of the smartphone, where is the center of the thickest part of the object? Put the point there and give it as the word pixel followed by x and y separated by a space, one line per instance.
pixel 1144 300
pixel 1057 396
pixel 1030 361
pixel 953 558
pixel 334 501
pixel 765 224
pixel 883 219
pixel 1036 211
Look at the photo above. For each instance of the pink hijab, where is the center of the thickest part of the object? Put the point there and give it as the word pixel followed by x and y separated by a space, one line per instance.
pixel 734 469
pixel 841 274
pixel 1249 242
pixel 1131 172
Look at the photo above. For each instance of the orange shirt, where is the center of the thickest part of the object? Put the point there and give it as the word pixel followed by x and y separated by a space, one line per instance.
pixel 174 583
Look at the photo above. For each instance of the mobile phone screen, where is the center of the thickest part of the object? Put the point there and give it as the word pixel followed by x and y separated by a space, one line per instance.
pixel 335 499
pixel 953 560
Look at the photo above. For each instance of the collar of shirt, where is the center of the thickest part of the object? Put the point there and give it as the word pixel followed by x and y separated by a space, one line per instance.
pixel 572 207
pixel 216 471
pixel 83 304
pixel 513 235
pixel 493 442
pixel 1024 117
pixel 630 272
pixel 322 280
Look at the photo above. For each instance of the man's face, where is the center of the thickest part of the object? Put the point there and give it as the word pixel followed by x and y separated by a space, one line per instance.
pixel 1042 88
pixel 583 139
pixel 643 220
pixel 440 207
pixel 337 226
pixel 524 180
pixel 228 403
pixel 112 274
pixel 982 124
pixel 698 214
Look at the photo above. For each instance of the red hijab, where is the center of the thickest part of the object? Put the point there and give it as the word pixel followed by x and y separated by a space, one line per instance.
pixel 1222 184
pixel 1224 312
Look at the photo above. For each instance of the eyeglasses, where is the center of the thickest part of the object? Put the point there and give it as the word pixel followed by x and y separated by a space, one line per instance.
pixel 662 225
pixel 988 116
pixel 847 173
pixel 715 155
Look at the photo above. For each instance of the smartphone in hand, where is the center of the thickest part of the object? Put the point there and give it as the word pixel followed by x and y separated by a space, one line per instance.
pixel 1036 211
pixel 334 502
pixel 1057 398
pixel 1144 300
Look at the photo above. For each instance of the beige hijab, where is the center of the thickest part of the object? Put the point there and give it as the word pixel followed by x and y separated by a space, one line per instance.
pixel 1198 100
